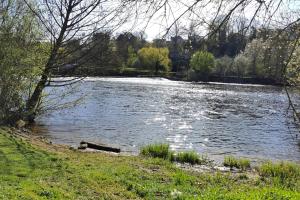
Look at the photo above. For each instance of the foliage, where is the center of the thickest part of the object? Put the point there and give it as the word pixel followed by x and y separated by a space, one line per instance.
pixel 268 56
pixel 155 59
pixel 261 57
pixel 27 172
pixel 254 52
pixel 179 53
pixel 99 55
pixel 241 65
pixel 239 163
pixel 124 42
pixel 132 57
pixel 202 62
pixel 293 68
pixel 21 60
pixel 224 66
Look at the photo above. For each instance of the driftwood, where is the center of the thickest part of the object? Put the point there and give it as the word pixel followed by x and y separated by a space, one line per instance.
pixel 84 145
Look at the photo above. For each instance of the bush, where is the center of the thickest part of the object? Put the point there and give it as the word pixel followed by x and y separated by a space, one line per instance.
pixel 202 62
pixel 157 151
pixel 239 163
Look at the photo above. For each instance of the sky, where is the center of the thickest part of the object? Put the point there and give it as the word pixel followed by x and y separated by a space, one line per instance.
pixel 205 12
pixel 144 17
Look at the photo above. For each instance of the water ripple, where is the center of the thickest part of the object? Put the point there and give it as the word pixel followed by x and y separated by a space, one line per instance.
pixel 214 119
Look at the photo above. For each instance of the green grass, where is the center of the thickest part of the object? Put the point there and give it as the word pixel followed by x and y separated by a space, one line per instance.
pixel 282 169
pixel 163 151
pixel 281 172
pixel 239 163
pixel 157 151
pixel 188 157
pixel 191 157
pixel 35 171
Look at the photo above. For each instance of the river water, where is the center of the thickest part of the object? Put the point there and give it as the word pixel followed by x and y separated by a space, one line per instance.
pixel 214 119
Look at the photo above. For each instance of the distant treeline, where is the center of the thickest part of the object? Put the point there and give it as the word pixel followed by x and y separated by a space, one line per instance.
pixel 258 55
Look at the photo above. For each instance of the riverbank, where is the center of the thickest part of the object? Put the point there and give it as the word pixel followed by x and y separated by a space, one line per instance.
pixel 182 76
pixel 34 169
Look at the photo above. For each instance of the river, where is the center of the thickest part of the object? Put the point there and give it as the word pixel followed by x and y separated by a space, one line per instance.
pixel 213 119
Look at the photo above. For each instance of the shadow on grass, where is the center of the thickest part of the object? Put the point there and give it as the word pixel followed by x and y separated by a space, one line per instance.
pixel 19 159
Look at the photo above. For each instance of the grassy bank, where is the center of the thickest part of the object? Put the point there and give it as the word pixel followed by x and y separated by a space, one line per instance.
pixel 33 170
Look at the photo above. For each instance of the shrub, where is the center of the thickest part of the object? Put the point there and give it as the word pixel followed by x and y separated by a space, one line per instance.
pixel 239 163
pixel 157 151
pixel 202 62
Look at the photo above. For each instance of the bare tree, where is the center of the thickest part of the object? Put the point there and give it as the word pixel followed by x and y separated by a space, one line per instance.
pixel 64 21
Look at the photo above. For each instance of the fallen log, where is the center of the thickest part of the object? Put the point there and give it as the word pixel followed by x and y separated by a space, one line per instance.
pixel 84 145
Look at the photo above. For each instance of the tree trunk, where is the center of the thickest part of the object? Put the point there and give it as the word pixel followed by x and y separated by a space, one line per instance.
pixel 35 99
pixel 32 103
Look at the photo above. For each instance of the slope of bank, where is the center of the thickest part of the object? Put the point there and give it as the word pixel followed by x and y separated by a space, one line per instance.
pixel 32 169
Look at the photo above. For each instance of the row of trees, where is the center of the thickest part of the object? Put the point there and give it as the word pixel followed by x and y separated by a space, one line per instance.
pixel 110 53
pixel 262 58
pixel 107 55
pixel 260 54
pixel 274 58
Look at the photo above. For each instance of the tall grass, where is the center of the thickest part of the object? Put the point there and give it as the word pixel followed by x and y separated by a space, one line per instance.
pixel 282 170
pixel 188 157
pixel 191 157
pixel 239 163
pixel 163 151
pixel 157 151
pixel 285 174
